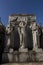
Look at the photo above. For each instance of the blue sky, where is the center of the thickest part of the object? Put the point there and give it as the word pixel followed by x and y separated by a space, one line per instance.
pixel 8 7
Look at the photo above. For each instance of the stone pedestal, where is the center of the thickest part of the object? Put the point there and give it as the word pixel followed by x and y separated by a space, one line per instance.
pixel 22 56
pixel 23 50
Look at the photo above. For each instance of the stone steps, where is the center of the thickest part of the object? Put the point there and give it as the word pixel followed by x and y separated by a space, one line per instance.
pixel 35 63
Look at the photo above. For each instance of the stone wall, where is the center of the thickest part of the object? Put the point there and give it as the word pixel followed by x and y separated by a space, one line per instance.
pixel 26 26
pixel 22 57
pixel 22 35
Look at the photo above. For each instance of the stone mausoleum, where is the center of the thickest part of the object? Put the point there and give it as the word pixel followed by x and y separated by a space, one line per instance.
pixel 23 39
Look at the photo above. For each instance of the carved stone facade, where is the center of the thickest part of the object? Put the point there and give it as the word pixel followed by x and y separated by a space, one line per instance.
pixel 23 32
pixel 24 39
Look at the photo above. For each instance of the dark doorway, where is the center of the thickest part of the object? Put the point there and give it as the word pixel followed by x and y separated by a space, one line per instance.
pixel 41 41
pixel 16 40
pixel 2 43
pixel 28 42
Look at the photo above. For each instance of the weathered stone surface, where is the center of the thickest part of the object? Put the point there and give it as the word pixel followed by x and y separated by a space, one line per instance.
pixel 23 39
pixel 22 57
pixel 30 63
pixel 22 23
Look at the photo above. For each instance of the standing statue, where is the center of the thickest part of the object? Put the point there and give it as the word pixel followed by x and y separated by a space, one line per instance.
pixel 22 25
